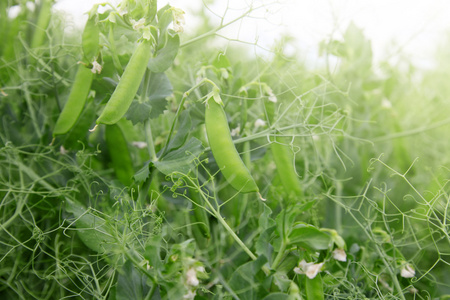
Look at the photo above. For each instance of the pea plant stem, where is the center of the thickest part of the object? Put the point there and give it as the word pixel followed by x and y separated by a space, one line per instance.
pixel 179 110
pixel 280 254
pixel 216 213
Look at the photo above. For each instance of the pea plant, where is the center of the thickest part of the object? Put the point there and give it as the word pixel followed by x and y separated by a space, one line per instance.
pixel 138 161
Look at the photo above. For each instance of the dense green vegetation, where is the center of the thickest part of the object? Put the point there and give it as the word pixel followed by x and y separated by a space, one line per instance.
pixel 339 190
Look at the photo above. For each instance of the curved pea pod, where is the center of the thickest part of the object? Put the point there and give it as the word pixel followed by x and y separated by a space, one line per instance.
pixel 77 99
pixel 128 85
pixel 223 149
pixel 284 161
pixel 119 153
pixel 42 23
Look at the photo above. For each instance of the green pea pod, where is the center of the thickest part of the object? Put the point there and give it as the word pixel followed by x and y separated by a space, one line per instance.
pixel 42 23
pixel 77 98
pixel 119 153
pixel 223 149
pixel 128 85
pixel 90 39
pixel 284 160
pixel 200 215
pixel 314 288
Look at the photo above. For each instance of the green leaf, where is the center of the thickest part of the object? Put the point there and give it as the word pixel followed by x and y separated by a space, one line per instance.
pixel 245 282
pixel 93 230
pixel 165 56
pixel 141 175
pixel 309 237
pixel 264 220
pixel 131 284
pixel 138 112
pixel 221 61
pixel 158 90
pixel 277 296
pixel 182 159
pixel 263 244
pixel 314 288
pixel 282 281
pixel 165 17
pixel 182 134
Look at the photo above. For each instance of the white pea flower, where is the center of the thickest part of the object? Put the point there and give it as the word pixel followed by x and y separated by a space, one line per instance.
pixel 339 254
pixel 63 150
pixel 138 24
pixel 191 277
pixel 385 103
pixel 269 92
pixel 235 131
pixel 178 19
pixel 139 145
pixel 96 67
pixel 30 6
pixel 14 11
pixel 310 269
pixel 408 271
pixel 122 10
pixel 260 123
pixel 201 269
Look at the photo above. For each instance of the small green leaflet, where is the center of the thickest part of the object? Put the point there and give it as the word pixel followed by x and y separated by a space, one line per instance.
pixel 182 159
pixel 155 104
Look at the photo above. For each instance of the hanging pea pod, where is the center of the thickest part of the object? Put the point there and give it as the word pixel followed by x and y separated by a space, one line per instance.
pixel 128 85
pixel 77 98
pixel 91 37
pixel 283 157
pixel 83 79
pixel 119 153
pixel 223 149
pixel 200 215
pixel 285 160
pixel 42 23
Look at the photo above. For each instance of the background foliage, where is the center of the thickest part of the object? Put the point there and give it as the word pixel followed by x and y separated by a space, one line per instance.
pixel 133 210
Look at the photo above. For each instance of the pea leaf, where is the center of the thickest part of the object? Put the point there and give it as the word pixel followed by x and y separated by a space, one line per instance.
pixel 158 90
pixel 277 296
pixel 92 229
pixel 309 237
pixel 131 284
pixel 182 159
pixel 165 56
pixel 245 280
pixel 183 131
pixel 141 175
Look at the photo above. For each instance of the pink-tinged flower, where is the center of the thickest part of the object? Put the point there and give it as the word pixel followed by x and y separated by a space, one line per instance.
pixel 339 254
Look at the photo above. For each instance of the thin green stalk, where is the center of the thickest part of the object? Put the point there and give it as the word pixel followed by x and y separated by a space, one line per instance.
pixel 280 254
pixel 213 32
pixel 17 212
pixel 179 110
